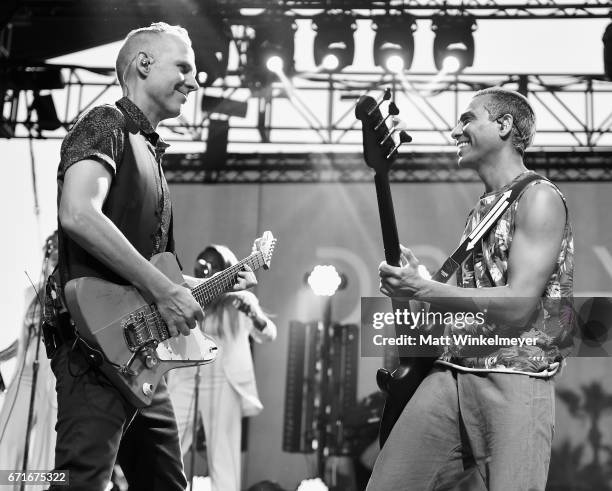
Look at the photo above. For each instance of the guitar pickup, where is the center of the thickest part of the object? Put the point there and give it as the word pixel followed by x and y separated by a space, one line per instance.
pixel 137 332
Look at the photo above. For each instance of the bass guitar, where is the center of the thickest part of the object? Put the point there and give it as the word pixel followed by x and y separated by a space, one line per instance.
pixel 380 150
pixel 128 331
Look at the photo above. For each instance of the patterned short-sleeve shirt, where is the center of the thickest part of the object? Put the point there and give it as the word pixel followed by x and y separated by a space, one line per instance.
pixel 100 135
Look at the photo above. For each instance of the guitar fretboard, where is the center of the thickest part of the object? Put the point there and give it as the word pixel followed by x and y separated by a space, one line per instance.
pixel 223 282
pixel 210 289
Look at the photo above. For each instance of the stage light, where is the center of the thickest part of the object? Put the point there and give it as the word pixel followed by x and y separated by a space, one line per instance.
pixel 334 38
pixel 330 62
pixel 270 51
pixel 451 64
pixel 24 77
pixel 202 77
pixel 607 54
pixel 211 44
pixel 45 112
pixel 453 38
pixel 275 64
pixel 325 281
pixel 395 64
pixel 220 105
pixel 394 42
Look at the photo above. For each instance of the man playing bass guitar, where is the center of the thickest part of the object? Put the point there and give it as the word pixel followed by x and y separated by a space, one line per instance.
pixel 488 415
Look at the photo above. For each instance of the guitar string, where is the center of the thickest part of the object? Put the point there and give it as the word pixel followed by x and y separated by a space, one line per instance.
pixel 200 293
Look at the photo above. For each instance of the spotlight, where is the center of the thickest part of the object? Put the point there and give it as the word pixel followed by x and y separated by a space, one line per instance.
pixel 334 39
pixel 202 78
pixel 454 38
pixel 451 64
pixel 607 42
pixel 330 62
pixel 275 64
pixel 394 42
pixel 270 51
pixel 325 281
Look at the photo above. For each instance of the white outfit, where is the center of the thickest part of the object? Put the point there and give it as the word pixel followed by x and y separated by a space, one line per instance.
pixel 15 408
pixel 227 389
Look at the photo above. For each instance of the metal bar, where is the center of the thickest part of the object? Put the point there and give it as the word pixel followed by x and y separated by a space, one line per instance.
pixel 565 127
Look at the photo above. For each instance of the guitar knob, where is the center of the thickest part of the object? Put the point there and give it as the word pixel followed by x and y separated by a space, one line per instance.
pixel 147 389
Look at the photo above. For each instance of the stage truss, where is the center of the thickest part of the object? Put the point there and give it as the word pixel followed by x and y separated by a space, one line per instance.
pixel 311 122
pixel 350 168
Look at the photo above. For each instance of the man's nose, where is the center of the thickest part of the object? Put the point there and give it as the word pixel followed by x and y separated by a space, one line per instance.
pixel 191 83
pixel 457 131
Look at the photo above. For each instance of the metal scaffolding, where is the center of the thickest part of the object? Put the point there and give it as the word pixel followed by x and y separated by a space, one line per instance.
pixel 350 168
pixel 574 111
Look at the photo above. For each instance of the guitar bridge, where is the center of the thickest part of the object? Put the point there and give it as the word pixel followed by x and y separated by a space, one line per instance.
pixel 137 332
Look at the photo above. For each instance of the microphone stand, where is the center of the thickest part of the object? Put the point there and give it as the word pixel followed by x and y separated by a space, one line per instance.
pixel 194 431
pixel 35 365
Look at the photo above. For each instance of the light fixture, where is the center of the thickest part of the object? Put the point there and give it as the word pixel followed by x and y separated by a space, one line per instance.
pixel 453 39
pixel 607 53
pixel 32 77
pixel 271 50
pixel 211 42
pixel 45 112
pixel 334 45
pixel 221 105
pixel 394 42
pixel 325 280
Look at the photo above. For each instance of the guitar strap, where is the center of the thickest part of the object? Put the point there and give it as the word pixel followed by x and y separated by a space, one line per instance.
pixel 484 226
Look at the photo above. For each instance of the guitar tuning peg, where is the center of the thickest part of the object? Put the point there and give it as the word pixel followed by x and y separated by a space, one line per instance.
pixel 385 97
pixel 393 111
pixel 404 138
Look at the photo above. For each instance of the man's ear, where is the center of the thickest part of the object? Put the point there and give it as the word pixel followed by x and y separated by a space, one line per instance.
pixel 505 125
pixel 143 64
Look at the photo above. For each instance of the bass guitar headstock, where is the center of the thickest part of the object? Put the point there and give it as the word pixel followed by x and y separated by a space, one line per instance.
pixel 380 141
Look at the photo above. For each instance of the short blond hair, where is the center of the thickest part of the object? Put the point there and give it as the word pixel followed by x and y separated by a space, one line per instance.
pixel 144 37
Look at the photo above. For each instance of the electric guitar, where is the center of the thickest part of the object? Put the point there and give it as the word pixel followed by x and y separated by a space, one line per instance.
pixel 129 333
pixel 380 150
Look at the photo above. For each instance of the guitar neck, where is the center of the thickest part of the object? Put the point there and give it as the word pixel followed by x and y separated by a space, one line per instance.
pixel 223 282
pixel 392 251
pixel 387 219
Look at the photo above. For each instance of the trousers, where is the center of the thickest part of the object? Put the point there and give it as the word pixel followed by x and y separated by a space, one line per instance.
pixel 496 426
pixel 219 408
pixel 97 426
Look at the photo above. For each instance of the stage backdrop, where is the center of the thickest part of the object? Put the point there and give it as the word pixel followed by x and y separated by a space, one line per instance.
pixel 338 224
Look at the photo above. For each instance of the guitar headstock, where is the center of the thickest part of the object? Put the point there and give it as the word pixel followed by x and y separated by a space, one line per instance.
pixel 379 142
pixel 265 244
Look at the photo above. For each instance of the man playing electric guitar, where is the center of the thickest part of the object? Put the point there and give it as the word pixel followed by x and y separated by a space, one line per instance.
pixel 489 415
pixel 114 213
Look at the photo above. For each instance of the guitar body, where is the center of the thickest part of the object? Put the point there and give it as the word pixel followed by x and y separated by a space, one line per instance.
pixel 399 386
pixel 103 311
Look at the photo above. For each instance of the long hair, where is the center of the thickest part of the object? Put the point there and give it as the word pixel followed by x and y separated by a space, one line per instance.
pixel 214 311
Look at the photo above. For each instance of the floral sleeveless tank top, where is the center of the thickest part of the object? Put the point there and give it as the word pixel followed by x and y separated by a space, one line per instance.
pixel 550 328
